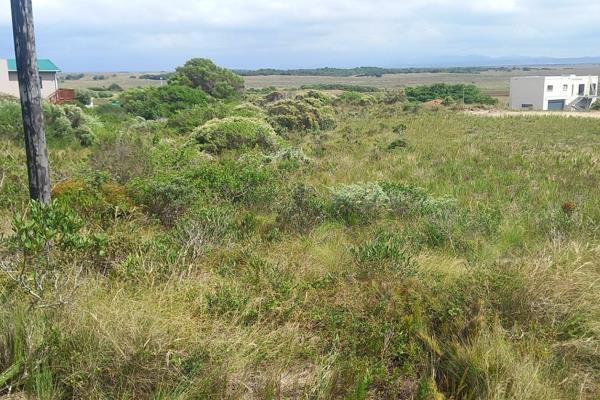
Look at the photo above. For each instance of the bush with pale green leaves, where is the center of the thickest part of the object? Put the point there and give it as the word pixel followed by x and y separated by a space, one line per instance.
pixel 235 133
pixel 359 202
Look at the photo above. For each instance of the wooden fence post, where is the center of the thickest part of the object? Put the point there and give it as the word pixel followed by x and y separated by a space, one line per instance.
pixel 31 100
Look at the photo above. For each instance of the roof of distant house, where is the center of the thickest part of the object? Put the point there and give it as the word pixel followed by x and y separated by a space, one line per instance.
pixel 44 65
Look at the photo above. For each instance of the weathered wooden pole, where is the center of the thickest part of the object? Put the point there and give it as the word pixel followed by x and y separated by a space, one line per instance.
pixel 31 100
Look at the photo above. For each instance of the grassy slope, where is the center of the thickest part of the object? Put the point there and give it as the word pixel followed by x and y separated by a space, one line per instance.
pixel 505 307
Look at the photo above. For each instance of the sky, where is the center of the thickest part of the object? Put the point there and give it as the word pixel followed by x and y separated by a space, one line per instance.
pixel 155 35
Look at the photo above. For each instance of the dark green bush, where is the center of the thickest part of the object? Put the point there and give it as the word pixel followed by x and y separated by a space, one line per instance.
pixel 471 94
pixel 163 101
pixel 201 73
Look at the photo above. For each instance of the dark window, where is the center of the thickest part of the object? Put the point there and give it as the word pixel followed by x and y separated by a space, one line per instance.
pixel 565 87
pixel 526 105
pixel 550 88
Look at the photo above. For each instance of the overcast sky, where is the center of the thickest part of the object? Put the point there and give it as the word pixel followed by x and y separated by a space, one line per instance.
pixel 110 35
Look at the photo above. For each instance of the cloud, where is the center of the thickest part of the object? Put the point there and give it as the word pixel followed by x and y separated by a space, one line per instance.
pixel 159 34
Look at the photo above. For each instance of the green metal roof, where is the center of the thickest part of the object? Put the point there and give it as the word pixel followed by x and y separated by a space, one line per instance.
pixel 44 65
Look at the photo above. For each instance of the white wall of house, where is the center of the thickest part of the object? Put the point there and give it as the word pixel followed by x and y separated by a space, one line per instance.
pixel 9 82
pixel 537 92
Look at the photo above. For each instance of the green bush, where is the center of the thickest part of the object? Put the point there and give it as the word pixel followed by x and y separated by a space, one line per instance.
pixel 185 121
pixel 470 93
pixel 163 101
pixel 201 73
pixel 308 113
pixel 11 120
pixel 233 133
pixel 356 99
pixel 302 211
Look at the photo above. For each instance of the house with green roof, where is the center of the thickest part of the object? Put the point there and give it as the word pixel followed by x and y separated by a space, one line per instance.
pixel 9 82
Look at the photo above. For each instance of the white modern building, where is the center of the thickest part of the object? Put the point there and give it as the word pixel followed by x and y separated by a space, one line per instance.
pixel 572 92
pixel 9 82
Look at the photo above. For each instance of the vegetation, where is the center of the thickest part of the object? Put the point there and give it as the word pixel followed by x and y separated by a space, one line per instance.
pixel 340 86
pixel 394 252
pixel 200 73
pixel 74 77
pixel 234 133
pixel 372 71
pixel 468 94
pixel 308 112
pixel 161 102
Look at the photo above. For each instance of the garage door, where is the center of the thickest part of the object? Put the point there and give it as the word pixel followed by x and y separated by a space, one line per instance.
pixel 556 104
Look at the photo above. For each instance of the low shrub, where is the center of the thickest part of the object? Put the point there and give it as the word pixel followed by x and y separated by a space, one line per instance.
pixel 470 94
pixel 304 210
pixel 11 120
pixel 303 114
pixel 356 99
pixel 359 202
pixel 161 102
pixel 234 133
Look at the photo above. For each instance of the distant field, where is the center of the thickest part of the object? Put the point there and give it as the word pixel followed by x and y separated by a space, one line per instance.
pixel 495 83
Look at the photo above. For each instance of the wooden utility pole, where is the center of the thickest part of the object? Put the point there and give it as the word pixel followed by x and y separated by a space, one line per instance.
pixel 31 100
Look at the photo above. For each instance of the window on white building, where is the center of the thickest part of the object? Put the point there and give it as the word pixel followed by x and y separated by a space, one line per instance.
pixel 565 88
pixel 550 88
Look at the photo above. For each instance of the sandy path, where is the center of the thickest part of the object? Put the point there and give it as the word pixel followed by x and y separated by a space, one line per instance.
pixel 506 113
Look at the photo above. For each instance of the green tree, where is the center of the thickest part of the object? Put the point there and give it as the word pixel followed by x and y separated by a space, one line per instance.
pixel 201 73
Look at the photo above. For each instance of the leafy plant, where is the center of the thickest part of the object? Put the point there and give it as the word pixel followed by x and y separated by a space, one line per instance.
pixel 234 133
pixel 201 73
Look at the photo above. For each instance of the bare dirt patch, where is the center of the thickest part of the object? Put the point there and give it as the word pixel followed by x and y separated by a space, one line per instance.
pixel 507 113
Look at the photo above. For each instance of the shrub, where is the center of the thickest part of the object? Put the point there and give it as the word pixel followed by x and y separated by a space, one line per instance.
pixel 204 228
pixel 359 202
pixel 304 114
pixel 356 99
pixel 201 73
pixel 161 102
pixel 393 96
pixel 233 133
pixel 11 121
pixel 125 158
pixel 291 155
pixel 114 87
pixel 302 211
pixel 84 96
pixel 470 93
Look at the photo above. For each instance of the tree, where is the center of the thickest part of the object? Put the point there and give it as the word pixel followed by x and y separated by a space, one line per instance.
pixel 201 73
pixel 31 101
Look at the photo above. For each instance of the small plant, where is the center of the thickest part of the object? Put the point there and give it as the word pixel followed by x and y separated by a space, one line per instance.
pixel 48 238
pixel 359 202
pixel 385 253
pixel 398 144
pixel 304 210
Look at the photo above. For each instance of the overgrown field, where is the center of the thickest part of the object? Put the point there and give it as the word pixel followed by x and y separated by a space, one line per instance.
pixel 300 245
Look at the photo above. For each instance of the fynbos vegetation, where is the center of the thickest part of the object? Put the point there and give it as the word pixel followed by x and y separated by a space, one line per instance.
pixel 210 243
